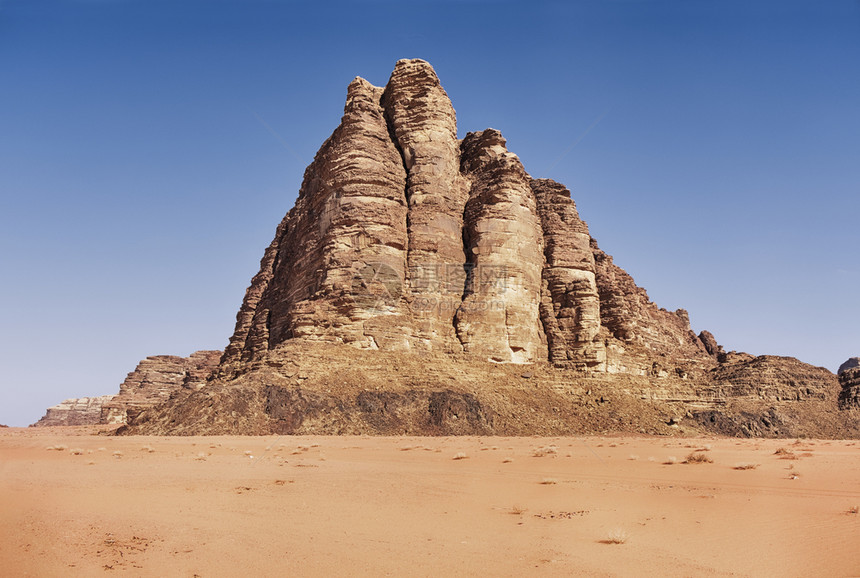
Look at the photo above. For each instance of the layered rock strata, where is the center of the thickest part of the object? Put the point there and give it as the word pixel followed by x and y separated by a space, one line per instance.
pixel 403 238
pixel 75 411
pixel 154 380
pixel 414 277
pixel 849 380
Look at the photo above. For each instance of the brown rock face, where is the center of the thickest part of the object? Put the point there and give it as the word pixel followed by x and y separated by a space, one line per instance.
pixel 75 411
pixel 403 238
pixel 849 380
pixel 772 378
pixel 443 265
pixel 570 300
pixel 154 380
pixel 499 316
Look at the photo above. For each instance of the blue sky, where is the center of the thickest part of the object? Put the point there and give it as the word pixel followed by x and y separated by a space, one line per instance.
pixel 149 148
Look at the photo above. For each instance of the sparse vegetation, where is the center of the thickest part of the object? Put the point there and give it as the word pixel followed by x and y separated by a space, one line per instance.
pixel 616 536
pixel 670 461
pixel 117 454
pixel 853 510
pixel 549 481
pixel 460 456
pixel 507 460
pixel 76 451
pixel 698 458
pixel 517 511
pixel 745 466
pixel 545 451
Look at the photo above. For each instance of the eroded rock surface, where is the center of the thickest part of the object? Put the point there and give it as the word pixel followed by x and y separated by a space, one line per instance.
pixel 417 274
pixel 75 411
pixel 849 380
pixel 154 380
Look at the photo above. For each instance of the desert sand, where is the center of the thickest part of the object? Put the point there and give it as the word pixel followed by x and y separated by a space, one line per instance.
pixel 77 504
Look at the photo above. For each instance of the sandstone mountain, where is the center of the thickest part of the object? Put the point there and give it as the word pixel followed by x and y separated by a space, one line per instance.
pixel 426 284
pixel 155 380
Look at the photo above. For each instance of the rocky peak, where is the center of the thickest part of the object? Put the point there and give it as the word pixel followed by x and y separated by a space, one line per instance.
pixel 849 380
pixel 413 275
pixel 404 238
pixel 852 363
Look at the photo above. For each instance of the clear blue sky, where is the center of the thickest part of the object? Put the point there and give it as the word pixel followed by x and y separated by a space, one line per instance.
pixel 149 148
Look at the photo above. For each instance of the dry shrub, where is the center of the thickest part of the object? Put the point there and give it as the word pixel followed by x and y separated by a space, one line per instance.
pixel 507 460
pixel 698 458
pixel 517 511
pixel 545 451
pixel 76 451
pixel 549 481
pixel 460 456
pixel 745 466
pixel 670 461
pixel 616 536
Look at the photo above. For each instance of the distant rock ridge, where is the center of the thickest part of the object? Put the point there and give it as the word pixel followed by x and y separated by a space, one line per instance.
pixel 411 251
pixel 75 411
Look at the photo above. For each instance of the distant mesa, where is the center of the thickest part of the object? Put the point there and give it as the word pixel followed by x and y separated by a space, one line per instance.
pixel 416 274
pixel 75 411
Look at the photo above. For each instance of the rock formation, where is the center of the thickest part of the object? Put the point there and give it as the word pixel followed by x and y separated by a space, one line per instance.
pixel 414 278
pixel 849 380
pixel 75 411
pixel 154 380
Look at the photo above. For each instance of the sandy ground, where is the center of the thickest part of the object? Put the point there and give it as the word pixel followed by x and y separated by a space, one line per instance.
pixel 324 506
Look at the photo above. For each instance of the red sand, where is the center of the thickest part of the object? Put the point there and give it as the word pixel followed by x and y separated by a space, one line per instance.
pixel 323 506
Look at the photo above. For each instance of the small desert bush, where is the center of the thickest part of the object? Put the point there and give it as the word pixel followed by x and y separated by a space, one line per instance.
pixel 698 458
pixel 117 454
pixel 545 451
pixel 616 536
pixel 745 466
pixel 853 510
pixel 76 451
pixel 549 481
pixel 460 456
pixel 517 511
pixel 507 460
pixel 670 461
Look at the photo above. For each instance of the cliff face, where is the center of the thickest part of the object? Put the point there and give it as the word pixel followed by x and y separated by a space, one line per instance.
pixel 75 411
pixel 404 238
pixel 154 380
pixel 849 380
pixel 444 267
